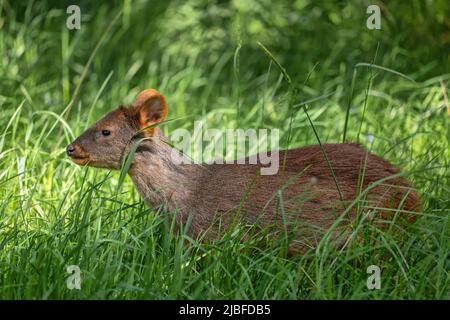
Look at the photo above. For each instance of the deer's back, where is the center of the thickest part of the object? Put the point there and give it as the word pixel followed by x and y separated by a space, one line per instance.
pixel 304 189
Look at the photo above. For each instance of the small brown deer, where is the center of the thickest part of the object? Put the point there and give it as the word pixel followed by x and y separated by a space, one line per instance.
pixel 315 186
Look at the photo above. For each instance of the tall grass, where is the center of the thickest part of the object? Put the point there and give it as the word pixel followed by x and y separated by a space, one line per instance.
pixel 205 59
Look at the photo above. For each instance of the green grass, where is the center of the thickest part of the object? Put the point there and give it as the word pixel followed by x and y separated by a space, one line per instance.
pixel 207 62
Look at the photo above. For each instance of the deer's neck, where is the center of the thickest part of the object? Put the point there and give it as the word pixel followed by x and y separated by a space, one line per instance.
pixel 161 179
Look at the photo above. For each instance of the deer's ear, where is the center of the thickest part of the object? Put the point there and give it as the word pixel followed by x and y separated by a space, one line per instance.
pixel 150 108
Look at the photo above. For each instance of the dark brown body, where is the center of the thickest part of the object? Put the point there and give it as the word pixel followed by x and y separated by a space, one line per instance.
pixel 305 198
pixel 303 194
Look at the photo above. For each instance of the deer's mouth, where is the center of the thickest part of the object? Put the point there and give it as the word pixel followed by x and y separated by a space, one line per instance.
pixel 80 160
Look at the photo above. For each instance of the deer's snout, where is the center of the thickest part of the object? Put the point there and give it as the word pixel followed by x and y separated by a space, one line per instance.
pixel 74 150
pixel 70 150
pixel 78 155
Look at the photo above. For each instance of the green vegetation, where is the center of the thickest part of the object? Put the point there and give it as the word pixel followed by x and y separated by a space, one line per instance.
pixel 205 58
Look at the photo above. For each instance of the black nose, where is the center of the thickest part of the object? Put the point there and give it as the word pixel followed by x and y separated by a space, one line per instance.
pixel 70 150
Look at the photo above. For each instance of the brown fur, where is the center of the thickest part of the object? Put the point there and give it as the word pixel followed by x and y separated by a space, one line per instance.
pixel 303 195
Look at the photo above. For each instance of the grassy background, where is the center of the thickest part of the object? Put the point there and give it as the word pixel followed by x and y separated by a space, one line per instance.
pixel 205 58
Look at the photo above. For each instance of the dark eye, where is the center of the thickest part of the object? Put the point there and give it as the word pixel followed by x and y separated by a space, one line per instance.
pixel 106 132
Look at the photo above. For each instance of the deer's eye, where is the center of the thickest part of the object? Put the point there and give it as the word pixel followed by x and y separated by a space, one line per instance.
pixel 106 133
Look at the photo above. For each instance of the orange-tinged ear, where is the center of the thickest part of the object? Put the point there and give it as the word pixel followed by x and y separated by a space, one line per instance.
pixel 150 108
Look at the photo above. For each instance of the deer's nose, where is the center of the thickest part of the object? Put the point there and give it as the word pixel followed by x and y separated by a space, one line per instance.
pixel 70 150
